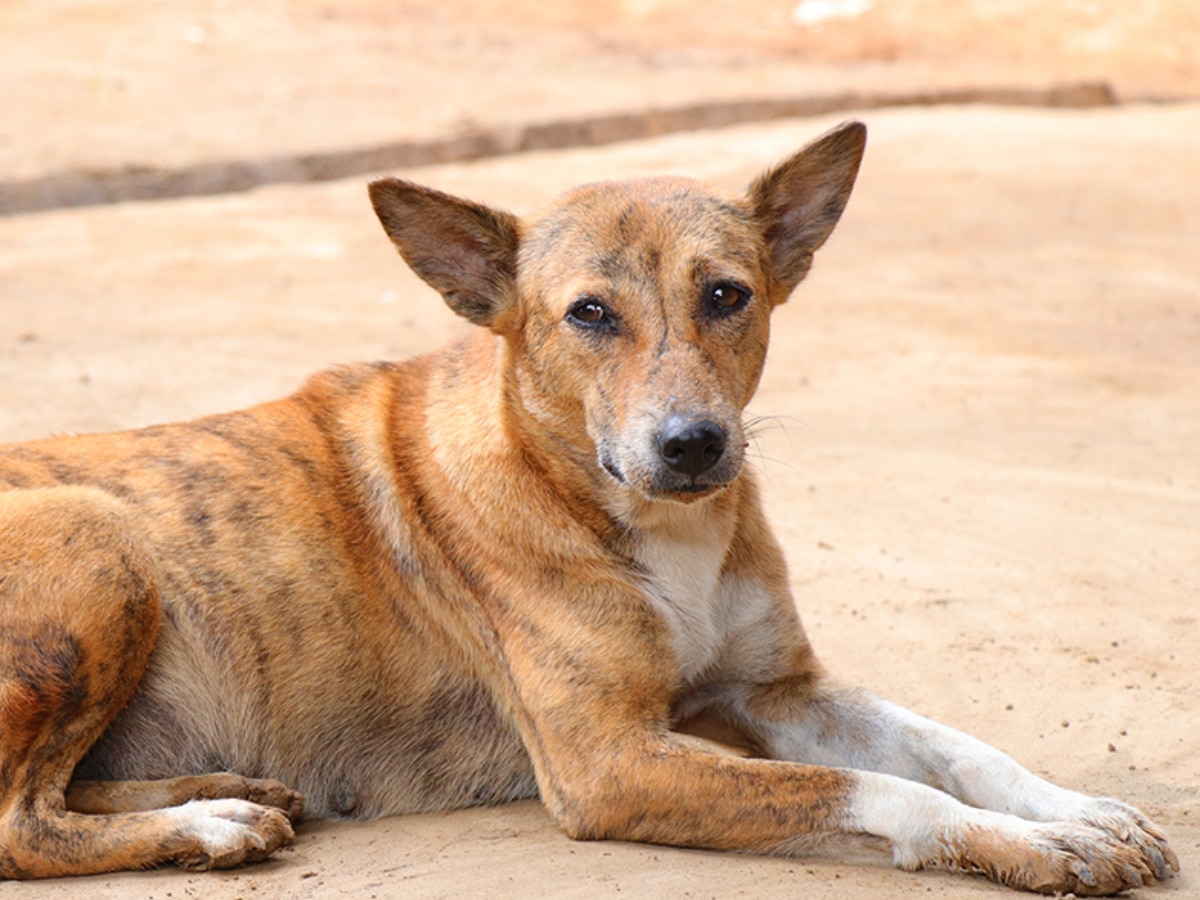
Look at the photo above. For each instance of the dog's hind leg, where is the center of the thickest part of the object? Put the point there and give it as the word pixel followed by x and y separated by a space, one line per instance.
pixel 79 614
pixel 107 797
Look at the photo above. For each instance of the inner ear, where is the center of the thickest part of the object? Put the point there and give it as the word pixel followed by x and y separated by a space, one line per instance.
pixel 798 203
pixel 465 251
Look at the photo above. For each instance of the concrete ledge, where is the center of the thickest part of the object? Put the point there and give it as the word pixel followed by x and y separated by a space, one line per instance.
pixel 92 187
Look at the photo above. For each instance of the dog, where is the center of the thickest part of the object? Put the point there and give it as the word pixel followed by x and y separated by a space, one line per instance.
pixel 533 563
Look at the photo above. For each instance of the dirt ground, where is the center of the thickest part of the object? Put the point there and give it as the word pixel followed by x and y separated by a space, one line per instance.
pixel 90 86
pixel 984 451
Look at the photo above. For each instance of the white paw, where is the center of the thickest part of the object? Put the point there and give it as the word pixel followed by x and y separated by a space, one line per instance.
pixel 218 834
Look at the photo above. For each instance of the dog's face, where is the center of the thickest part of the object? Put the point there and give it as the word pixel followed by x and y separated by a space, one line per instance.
pixel 636 313
pixel 645 315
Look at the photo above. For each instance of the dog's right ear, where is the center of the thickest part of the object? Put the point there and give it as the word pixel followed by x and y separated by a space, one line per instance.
pixel 465 251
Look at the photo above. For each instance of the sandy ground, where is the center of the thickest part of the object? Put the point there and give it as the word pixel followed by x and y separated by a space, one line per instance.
pixel 90 86
pixel 983 460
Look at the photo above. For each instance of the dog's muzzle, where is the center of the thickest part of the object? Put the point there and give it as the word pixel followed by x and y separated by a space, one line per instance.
pixel 682 458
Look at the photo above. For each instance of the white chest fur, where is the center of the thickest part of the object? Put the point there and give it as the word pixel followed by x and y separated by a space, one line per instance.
pixel 682 553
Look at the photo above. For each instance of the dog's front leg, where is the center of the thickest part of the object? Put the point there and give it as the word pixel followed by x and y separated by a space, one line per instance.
pixel 592 691
pixel 645 784
pixel 851 728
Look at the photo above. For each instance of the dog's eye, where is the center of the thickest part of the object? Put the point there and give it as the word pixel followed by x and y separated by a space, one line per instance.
pixel 725 297
pixel 590 313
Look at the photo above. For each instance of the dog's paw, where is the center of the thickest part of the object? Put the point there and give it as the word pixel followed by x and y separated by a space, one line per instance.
pixel 220 834
pixel 1128 826
pixel 280 796
pixel 1049 857
pixel 1045 857
pixel 1084 860
pixel 266 792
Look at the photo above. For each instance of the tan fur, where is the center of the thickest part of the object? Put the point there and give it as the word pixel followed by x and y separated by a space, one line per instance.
pixel 522 565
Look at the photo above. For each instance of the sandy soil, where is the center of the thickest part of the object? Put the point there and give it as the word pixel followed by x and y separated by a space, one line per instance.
pixel 983 460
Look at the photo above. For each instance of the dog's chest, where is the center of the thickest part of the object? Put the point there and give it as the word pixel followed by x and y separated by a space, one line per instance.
pixel 682 579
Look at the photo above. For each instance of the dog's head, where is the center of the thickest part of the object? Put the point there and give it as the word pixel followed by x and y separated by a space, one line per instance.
pixel 636 312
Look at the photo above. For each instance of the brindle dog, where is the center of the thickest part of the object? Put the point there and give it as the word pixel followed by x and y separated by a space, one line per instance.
pixel 514 567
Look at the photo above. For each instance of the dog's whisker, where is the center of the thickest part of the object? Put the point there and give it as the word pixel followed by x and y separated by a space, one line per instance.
pixel 757 428
pixel 782 423
pixel 760 458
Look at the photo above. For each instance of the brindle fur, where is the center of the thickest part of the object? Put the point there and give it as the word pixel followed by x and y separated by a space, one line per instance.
pixel 478 576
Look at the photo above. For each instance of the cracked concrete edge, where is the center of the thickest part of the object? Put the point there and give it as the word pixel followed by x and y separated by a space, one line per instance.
pixel 93 187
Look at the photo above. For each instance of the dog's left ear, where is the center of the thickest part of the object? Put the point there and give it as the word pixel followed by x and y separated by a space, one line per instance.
pixel 798 202
pixel 465 251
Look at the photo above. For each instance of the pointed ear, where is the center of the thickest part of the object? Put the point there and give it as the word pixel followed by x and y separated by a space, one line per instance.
pixel 465 251
pixel 799 201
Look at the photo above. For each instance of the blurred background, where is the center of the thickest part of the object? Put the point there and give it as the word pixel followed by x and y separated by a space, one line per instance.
pixel 289 88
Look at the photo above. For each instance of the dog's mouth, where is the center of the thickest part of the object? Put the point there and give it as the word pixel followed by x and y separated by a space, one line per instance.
pixel 665 485
pixel 695 488
pixel 611 468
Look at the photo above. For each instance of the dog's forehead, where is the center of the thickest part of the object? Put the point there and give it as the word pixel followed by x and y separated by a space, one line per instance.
pixel 627 213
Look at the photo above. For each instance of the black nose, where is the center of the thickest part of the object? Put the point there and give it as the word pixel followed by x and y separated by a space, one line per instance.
pixel 690 446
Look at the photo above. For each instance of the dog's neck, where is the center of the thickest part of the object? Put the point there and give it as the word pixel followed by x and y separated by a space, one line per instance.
pixel 489 447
